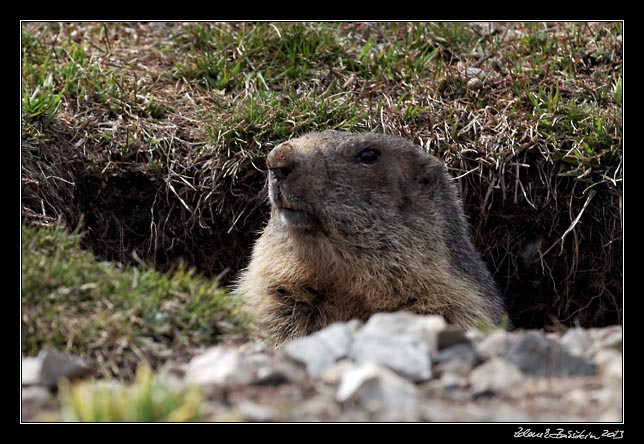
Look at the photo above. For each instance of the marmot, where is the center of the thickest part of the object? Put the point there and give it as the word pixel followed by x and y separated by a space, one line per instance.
pixel 362 223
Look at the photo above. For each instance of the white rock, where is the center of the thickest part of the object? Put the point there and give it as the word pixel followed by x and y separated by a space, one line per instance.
pixel 475 336
pixel 30 371
pixel 402 323
pixel 493 344
pixel 379 390
pixel 406 356
pixel 320 350
pixel 220 365
pixel 495 375
pixel 609 338
pixel 576 341
pixel 334 373
pixel 401 341
pixel 451 381
pixel 608 358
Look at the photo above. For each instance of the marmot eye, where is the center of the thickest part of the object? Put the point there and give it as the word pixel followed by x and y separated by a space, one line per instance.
pixel 368 155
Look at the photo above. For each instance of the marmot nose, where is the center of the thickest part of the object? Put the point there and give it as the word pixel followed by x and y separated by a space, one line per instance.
pixel 281 161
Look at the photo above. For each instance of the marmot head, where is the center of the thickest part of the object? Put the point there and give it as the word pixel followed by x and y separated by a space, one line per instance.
pixel 350 186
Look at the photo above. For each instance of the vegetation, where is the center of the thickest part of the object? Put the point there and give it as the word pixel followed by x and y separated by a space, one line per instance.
pixel 147 399
pixel 152 136
pixel 118 317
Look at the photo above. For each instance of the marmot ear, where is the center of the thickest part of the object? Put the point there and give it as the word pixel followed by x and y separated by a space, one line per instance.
pixel 429 174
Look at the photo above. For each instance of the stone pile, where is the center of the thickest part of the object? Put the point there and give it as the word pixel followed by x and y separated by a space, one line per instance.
pixel 403 367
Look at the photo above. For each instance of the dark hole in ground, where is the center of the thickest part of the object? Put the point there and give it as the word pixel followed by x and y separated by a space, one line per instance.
pixel 116 209
pixel 127 218
pixel 579 283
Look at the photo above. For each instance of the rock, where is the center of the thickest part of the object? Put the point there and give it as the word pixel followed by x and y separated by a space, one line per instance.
pixel 320 350
pixel 607 338
pixel 36 399
pixel 537 355
pixel 607 358
pixel 474 336
pixel 401 341
pixel 452 381
pixel 55 366
pixel 451 335
pixel 494 376
pixel 30 371
pixel 405 324
pixel 493 344
pixel 512 34
pixel 576 397
pixel 271 376
pixel 379 390
pixel 220 365
pixel 475 83
pixel 253 412
pixel 406 356
pixel 449 386
pixel 611 367
pixel 576 341
pixel 485 28
pixel 459 360
pixel 272 371
pixel 333 374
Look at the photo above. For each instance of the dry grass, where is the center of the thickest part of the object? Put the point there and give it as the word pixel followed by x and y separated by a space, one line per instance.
pixel 153 135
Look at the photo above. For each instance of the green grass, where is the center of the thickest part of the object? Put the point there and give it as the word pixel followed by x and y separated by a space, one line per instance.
pixel 113 314
pixel 147 399
pixel 223 57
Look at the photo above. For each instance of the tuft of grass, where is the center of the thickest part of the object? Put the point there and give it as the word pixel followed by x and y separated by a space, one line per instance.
pixel 117 317
pixel 40 101
pixel 225 56
pixel 147 399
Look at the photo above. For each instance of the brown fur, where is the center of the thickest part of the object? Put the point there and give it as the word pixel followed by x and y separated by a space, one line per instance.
pixel 349 238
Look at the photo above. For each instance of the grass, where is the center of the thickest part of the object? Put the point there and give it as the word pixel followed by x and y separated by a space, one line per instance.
pixel 153 136
pixel 147 399
pixel 117 317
